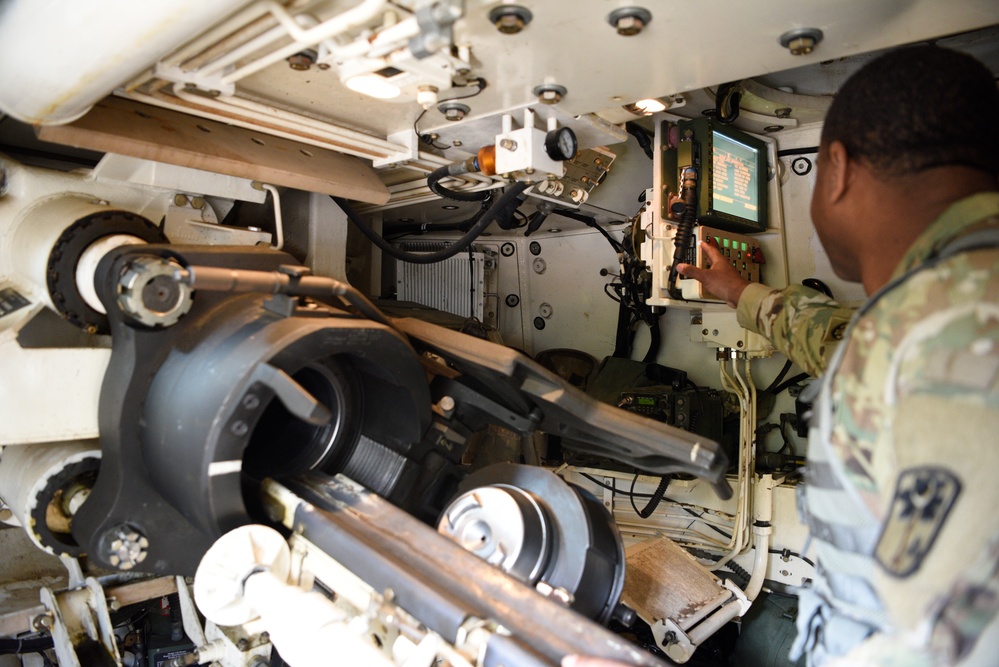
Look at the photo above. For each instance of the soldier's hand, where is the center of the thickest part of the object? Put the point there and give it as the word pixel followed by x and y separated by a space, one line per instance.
pixel 720 278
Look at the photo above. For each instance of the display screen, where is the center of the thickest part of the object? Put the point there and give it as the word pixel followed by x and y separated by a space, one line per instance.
pixel 735 170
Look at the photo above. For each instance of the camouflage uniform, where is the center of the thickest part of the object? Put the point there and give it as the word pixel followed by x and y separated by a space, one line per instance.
pixel 901 492
pixel 803 324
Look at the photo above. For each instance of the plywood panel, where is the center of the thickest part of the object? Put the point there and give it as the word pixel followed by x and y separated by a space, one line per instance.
pixel 117 125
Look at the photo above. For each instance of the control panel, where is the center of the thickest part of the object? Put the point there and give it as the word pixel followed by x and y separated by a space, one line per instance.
pixel 744 252
pixel 698 410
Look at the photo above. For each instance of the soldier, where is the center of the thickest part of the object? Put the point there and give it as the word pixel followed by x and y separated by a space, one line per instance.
pixel 900 494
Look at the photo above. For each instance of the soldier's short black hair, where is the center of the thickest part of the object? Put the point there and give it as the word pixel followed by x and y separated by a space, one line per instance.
pixel 918 107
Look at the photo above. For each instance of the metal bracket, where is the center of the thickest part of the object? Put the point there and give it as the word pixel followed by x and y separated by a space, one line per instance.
pixel 79 618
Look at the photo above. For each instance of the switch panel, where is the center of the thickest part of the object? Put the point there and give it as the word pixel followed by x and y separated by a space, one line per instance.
pixel 744 253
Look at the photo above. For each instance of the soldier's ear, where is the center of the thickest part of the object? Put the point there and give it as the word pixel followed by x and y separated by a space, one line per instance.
pixel 839 171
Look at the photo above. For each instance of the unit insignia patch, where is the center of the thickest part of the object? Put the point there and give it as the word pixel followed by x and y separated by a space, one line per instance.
pixel 923 498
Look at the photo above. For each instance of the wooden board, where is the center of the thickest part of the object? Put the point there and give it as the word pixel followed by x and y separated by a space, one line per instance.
pixel 118 125
pixel 663 581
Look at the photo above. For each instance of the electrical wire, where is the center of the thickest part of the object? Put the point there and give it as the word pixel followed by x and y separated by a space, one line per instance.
pixel 788 552
pixel 800 377
pixel 590 221
pixel 727 102
pixel 637 131
pixel 21 646
pixel 780 376
pixel 614 489
pixel 654 500
pixel 433 182
pixel 481 85
pixel 701 517
pixel 508 201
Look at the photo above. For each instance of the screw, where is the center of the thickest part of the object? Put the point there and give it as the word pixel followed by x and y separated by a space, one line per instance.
pixel 42 622
pixel 453 110
pixel 510 24
pixel 251 402
pixel 801 46
pixel 508 144
pixel 242 644
pixel 302 61
pixel 801 41
pixel 510 19
pixel 180 200
pixel 550 93
pixel 629 25
pixel 456 143
pixel 629 21
pixel 773 128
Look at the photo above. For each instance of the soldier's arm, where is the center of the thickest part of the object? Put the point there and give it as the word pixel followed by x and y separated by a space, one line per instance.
pixel 804 325
pixel 799 322
pixel 938 552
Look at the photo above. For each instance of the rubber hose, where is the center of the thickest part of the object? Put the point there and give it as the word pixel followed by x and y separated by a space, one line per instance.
pixel 508 200
pixel 433 182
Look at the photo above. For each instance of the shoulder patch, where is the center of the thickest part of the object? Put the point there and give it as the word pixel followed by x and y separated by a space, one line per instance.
pixel 923 498
pixel 835 329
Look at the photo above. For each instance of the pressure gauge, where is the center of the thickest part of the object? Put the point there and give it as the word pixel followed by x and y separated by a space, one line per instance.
pixel 561 144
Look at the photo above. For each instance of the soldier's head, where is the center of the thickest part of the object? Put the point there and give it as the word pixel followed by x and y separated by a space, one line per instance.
pixel 915 112
pixel 917 108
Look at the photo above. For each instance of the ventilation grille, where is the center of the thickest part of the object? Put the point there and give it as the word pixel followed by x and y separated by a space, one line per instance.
pixel 454 285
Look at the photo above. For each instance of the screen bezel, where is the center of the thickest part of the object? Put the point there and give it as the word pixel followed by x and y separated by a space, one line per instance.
pixel 703 133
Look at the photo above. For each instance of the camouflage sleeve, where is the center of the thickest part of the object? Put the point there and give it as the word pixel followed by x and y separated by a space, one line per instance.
pixel 804 325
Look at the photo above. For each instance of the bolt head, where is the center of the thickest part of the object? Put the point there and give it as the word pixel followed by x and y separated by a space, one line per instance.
pixel 510 24
pixel 629 26
pixel 801 46
pixel 550 97
pixel 300 62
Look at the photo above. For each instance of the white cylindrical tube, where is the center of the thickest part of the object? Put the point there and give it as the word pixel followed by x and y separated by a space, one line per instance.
pixel 37 233
pixel 303 625
pixel 33 476
pixel 59 57
pixel 762 516
pixel 87 266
